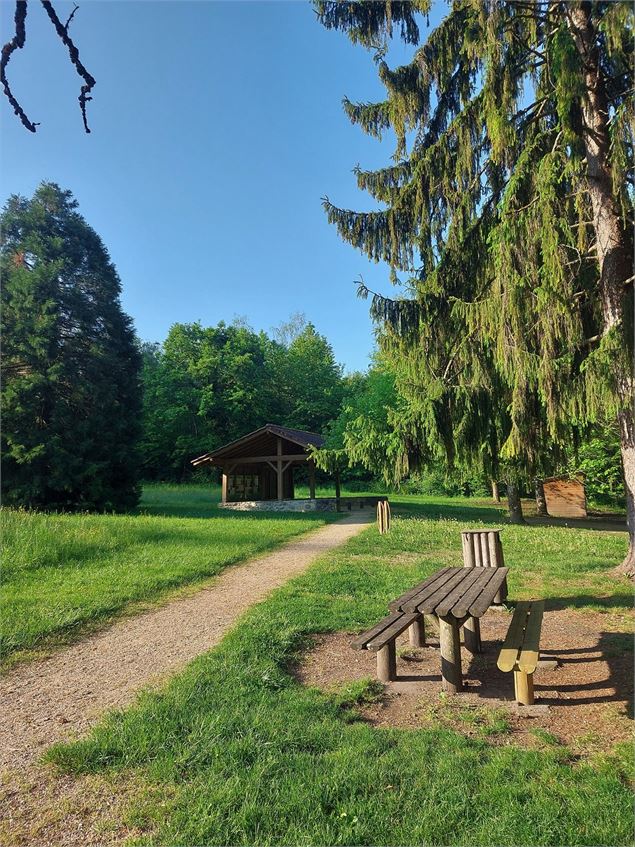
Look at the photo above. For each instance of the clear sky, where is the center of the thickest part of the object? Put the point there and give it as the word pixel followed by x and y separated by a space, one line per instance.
pixel 216 129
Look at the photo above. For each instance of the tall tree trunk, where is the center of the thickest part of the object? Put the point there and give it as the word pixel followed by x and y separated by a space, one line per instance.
pixel 627 436
pixel 496 497
pixel 513 503
pixel 614 259
pixel 541 500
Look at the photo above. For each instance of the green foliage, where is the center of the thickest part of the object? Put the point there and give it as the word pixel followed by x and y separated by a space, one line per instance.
pixel 237 751
pixel 70 366
pixel 206 386
pixel 65 574
pixel 599 460
pixel 501 349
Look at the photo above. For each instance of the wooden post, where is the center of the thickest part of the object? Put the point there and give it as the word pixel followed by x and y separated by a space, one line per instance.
pixel 417 633
pixel 223 489
pixel 472 635
pixel 279 471
pixel 450 655
pixel 337 485
pixel 311 479
pixel 380 518
pixel 387 662
pixel 387 514
pixel 468 553
pixel 524 687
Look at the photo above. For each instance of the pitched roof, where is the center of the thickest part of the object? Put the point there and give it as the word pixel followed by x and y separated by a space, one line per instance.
pixel 255 441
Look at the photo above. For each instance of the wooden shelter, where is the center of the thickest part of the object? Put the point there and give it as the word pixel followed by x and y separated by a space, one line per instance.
pixel 259 466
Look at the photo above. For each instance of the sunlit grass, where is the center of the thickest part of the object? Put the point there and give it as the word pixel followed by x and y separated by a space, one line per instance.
pixel 65 573
pixel 236 751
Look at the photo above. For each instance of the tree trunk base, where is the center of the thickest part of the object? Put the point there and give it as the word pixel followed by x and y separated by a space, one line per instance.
pixel 627 568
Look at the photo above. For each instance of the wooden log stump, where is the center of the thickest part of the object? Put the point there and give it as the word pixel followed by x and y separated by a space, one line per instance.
pixel 450 655
pixel 524 687
pixel 417 633
pixel 472 635
pixel 387 662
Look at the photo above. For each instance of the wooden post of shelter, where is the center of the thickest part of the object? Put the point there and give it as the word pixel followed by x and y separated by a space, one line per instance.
pixel 223 489
pixel 280 490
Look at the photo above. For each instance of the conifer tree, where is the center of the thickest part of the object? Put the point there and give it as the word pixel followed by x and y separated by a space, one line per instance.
pixel 70 364
pixel 507 211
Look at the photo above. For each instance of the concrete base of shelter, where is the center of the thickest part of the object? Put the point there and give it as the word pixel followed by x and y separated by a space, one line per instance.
pixel 317 504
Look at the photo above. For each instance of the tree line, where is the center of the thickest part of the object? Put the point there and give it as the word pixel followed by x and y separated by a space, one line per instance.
pixel 89 411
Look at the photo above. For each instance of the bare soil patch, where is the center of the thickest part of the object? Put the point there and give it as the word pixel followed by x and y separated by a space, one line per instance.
pixel 589 694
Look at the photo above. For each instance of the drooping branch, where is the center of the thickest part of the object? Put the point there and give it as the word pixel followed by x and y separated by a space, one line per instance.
pixel 16 43
pixel 73 52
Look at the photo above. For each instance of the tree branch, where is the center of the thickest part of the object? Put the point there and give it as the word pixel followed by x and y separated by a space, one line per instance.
pixel 16 43
pixel 73 52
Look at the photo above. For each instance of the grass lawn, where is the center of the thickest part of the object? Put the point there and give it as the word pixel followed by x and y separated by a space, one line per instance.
pixel 236 751
pixel 65 574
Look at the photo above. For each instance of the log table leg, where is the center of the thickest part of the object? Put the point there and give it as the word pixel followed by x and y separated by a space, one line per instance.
pixel 524 687
pixel 417 633
pixel 450 655
pixel 472 635
pixel 387 662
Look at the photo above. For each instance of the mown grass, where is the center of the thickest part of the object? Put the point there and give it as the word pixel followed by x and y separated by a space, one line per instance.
pixel 236 751
pixel 64 574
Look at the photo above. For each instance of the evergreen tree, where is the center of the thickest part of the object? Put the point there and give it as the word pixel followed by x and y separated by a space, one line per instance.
pixel 508 207
pixel 70 365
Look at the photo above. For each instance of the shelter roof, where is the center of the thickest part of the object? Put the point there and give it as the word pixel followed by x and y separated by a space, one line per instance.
pixel 262 442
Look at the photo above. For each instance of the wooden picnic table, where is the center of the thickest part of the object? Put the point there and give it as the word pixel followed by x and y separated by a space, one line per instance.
pixel 457 597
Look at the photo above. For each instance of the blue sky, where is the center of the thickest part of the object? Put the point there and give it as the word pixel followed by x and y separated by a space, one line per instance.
pixel 216 129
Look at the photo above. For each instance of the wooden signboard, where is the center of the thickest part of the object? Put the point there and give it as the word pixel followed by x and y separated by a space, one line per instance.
pixel 565 497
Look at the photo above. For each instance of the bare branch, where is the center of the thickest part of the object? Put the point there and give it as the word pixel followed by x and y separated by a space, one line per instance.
pixel 16 43
pixel 73 52
pixel 70 18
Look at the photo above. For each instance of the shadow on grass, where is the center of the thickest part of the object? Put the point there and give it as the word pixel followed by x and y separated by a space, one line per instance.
pixel 495 515
pixel 619 601
pixel 212 512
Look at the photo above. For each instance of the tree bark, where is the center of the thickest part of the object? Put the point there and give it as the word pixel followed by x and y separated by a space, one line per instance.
pixel 541 501
pixel 514 504
pixel 613 255
pixel 627 437
pixel 496 497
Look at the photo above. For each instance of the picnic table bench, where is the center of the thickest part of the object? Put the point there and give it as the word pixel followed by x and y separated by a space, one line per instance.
pixel 457 597
pixel 521 649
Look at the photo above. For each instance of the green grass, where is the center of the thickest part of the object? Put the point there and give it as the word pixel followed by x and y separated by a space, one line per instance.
pixel 64 574
pixel 236 751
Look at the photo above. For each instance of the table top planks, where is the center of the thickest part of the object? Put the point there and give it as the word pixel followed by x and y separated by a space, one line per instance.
pixel 455 592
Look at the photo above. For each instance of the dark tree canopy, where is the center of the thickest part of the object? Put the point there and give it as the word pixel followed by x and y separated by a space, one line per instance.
pixel 70 366
pixel 507 215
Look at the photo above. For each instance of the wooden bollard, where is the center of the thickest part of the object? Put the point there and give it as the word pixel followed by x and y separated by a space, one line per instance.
pixel 383 516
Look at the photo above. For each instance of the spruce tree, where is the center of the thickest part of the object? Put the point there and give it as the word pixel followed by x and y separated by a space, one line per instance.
pixel 507 211
pixel 70 364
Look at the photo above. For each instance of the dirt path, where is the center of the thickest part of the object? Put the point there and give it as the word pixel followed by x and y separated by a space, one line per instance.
pixel 62 696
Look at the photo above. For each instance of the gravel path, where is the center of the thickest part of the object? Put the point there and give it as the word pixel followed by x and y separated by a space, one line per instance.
pixel 63 696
